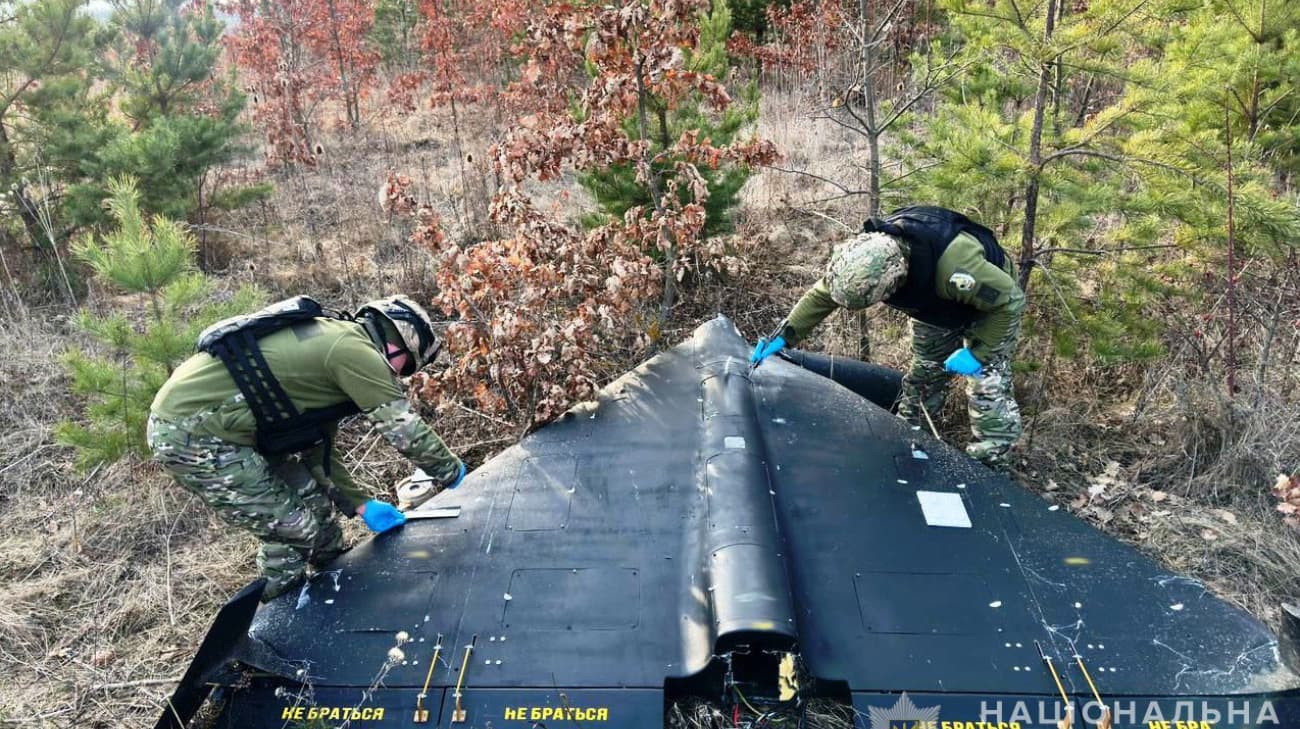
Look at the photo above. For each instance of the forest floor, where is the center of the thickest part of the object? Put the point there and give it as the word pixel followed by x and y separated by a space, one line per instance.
pixel 109 578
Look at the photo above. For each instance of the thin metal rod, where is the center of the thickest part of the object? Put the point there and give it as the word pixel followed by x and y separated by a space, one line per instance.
pixel 437 649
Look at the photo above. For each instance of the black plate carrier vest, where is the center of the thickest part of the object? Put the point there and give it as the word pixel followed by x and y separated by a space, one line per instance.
pixel 928 231
pixel 281 427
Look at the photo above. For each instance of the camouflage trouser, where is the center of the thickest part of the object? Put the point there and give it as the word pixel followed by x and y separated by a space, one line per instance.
pixel 994 414
pixel 295 522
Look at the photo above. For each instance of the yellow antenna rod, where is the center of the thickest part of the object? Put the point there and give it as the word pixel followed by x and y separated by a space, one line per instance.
pixel 421 713
pixel 1105 722
pixel 1068 721
pixel 458 715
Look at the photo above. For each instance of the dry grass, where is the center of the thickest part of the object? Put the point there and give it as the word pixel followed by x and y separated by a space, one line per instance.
pixel 1187 479
pixel 105 578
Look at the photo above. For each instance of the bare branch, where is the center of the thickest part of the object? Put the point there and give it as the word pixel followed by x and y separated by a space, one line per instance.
pixel 1020 17
pixel 833 118
pixel 904 176
pixel 1232 8
pixel 1119 159
pixel 824 216
pixel 931 83
pixel 828 181
pixel 878 32
pixel 135 684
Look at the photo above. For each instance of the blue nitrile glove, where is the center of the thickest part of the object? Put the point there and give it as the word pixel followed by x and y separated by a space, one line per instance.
pixel 962 362
pixel 765 349
pixel 459 477
pixel 381 517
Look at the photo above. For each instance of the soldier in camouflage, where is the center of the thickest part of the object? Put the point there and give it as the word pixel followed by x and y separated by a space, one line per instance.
pixel 203 433
pixel 958 286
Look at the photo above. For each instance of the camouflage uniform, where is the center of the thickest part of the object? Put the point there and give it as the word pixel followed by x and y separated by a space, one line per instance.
pixel 201 431
pixel 296 525
pixel 994 414
pixel 965 278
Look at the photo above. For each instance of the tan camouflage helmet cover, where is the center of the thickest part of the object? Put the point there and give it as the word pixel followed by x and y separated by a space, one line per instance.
pixel 412 323
pixel 865 270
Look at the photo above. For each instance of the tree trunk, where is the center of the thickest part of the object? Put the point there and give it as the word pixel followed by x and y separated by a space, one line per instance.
pixel 1232 260
pixel 1058 86
pixel 350 99
pixel 869 97
pixel 1036 154
pixel 26 206
pixel 665 242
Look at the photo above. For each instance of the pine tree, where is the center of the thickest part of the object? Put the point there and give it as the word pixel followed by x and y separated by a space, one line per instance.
pixel 1230 71
pixel 394 34
pixel 617 188
pixel 150 262
pixel 1029 139
pixel 47 48
pixel 183 113
pixel 1101 154
pixel 1219 144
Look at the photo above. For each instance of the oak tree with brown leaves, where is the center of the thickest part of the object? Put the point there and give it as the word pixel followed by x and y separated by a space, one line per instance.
pixel 536 308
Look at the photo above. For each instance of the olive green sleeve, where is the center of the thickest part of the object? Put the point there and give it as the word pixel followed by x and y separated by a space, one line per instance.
pixel 408 433
pixel 813 307
pixel 965 276
pixel 346 489
pixel 343 490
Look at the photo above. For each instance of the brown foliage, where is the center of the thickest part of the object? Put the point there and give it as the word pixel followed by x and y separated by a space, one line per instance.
pixel 534 310
pixel 537 306
pixel 296 55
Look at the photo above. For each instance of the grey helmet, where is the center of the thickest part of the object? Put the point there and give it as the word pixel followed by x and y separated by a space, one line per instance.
pixel 866 269
pixel 412 323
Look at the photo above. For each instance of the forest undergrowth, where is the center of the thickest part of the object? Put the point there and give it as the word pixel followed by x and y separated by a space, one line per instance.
pixel 108 579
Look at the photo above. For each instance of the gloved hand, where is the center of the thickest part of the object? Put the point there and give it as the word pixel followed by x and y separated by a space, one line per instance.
pixel 459 477
pixel 962 362
pixel 765 349
pixel 381 517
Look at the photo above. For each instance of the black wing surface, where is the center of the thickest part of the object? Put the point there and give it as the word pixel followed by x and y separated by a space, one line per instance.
pixel 700 521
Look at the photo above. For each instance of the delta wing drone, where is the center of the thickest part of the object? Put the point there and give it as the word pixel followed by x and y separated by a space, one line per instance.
pixel 757 538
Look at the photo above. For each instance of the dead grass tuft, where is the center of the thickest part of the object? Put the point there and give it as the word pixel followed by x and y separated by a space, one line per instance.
pixel 1185 478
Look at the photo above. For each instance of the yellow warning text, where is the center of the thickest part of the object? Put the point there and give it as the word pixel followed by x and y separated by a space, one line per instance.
pixel 332 713
pixel 557 713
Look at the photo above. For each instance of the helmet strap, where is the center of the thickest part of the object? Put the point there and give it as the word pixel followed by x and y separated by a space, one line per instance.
pixel 373 329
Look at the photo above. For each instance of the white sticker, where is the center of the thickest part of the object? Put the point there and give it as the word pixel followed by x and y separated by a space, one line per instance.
pixel 734 441
pixel 943 509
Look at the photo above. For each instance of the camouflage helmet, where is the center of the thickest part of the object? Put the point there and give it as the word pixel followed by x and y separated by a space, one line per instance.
pixel 865 270
pixel 412 323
